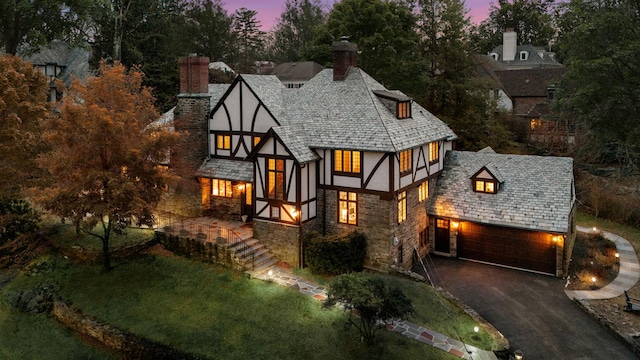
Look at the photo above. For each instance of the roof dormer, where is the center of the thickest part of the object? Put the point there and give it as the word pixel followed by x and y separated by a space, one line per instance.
pixel 398 104
pixel 524 55
pixel 486 180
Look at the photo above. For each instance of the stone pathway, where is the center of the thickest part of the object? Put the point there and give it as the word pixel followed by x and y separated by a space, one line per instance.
pixel 628 274
pixel 286 278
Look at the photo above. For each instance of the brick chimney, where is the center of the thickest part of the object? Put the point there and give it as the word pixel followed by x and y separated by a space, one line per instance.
pixel 190 115
pixel 194 74
pixel 509 44
pixel 344 57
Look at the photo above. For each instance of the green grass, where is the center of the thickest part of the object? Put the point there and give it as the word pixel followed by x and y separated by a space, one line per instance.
pixel 64 236
pixel 38 336
pixel 212 312
pixel 628 232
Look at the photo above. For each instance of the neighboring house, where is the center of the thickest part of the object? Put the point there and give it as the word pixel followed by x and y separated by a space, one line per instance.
pixel 295 74
pixel 59 61
pixel 525 79
pixel 512 210
pixel 340 154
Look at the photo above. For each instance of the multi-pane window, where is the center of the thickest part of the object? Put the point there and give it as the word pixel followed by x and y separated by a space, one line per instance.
pixel 221 187
pixel 404 110
pixel 223 142
pixel 347 207
pixel 347 161
pixel 275 178
pixel 423 191
pixel 486 186
pixel 434 152
pixel 275 212
pixel 402 206
pixel 405 162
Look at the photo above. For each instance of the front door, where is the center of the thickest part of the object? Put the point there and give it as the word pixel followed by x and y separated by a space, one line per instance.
pixel 247 203
pixel 442 244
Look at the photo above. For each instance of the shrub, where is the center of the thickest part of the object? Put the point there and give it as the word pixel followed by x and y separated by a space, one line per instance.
pixel 335 254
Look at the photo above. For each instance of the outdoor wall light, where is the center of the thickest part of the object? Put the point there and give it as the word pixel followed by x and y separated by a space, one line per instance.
pixel 617 255
pixel 395 241
pixel 455 225
pixel 241 187
pixel 518 355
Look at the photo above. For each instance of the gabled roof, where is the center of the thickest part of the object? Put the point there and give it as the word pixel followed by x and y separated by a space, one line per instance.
pixel 270 91
pixel 348 115
pixel 529 82
pixel 296 71
pixel 295 141
pixel 220 65
pixel 74 60
pixel 536 192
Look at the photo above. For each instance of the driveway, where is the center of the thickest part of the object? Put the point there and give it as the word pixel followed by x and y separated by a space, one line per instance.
pixel 530 310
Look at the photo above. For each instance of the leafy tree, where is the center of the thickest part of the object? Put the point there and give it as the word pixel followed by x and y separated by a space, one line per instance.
pixel 209 22
pixel 385 32
pixel 17 218
pixel 104 155
pixel 532 20
pixel 23 104
pixel 375 303
pixel 148 33
pixel 599 42
pixel 296 29
pixel 249 39
pixel 34 23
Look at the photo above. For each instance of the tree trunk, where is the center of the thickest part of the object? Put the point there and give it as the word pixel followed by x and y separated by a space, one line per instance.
pixel 106 254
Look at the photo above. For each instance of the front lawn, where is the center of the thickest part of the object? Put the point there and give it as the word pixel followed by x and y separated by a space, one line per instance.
pixel 212 312
pixel 64 236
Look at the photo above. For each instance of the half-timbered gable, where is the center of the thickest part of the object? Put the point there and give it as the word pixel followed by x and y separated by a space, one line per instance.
pixel 244 115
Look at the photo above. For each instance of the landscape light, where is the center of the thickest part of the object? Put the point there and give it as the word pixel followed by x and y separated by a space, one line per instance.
pixel 518 355
pixel 593 279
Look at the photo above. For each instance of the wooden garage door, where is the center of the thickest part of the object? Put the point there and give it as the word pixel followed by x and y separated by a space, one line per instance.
pixel 505 246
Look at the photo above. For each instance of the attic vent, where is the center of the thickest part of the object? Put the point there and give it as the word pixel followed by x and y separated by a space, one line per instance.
pixel 494 56
pixel 398 104
pixel 524 55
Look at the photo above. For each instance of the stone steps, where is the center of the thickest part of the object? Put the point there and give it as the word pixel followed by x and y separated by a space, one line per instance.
pixel 253 255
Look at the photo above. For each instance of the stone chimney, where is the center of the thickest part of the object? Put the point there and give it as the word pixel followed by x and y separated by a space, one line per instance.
pixel 344 57
pixel 509 44
pixel 190 115
pixel 194 74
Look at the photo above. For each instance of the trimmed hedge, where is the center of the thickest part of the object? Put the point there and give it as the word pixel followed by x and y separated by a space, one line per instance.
pixel 335 254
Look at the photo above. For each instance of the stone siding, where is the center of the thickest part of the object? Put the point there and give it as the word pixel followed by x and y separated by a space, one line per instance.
pixel 190 119
pixel 283 240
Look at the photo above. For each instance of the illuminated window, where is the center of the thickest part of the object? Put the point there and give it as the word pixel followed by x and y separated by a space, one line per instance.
pixel 402 206
pixel 486 186
pixel 221 188
pixel 423 191
pixel 256 140
pixel 404 110
pixel 348 211
pixel 347 161
pixel 223 142
pixel 275 179
pixel 405 162
pixel 434 152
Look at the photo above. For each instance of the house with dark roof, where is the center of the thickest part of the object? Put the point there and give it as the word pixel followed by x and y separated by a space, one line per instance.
pixel 60 61
pixel 525 79
pixel 512 210
pixel 340 154
pixel 295 74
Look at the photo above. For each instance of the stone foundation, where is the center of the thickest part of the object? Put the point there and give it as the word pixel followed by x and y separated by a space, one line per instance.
pixel 283 240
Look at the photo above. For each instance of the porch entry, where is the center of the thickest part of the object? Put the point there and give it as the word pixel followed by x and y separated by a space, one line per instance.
pixel 247 201
pixel 442 242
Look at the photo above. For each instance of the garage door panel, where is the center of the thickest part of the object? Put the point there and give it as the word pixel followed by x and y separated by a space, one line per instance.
pixel 505 246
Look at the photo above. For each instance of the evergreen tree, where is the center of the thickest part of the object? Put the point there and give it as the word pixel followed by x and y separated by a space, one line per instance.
pixel 296 29
pixel 532 20
pixel 210 29
pixel 248 40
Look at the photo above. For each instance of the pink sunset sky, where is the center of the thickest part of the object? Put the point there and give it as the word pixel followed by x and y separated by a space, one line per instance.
pixel 269 10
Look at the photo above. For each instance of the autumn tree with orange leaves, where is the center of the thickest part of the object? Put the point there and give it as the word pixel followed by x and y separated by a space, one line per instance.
pixel 105 155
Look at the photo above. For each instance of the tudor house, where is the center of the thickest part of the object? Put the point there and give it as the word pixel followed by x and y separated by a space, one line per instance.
pixel 340 154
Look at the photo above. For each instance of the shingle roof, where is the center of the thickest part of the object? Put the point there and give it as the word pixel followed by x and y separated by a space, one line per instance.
pixel 271 91
pixel 294 138
pixel 75 60
pixel 348 115
pixel 529 82
pixel 537 192
pixel 296 71
pixel 537 57
pixel 227 169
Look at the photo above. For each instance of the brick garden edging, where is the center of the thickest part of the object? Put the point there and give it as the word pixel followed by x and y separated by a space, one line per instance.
pixel 130 345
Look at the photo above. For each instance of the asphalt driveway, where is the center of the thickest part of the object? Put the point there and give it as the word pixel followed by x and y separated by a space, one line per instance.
pixel 530 310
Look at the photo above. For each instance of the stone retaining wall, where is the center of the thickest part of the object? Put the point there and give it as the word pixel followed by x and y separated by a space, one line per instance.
pixel 130 345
